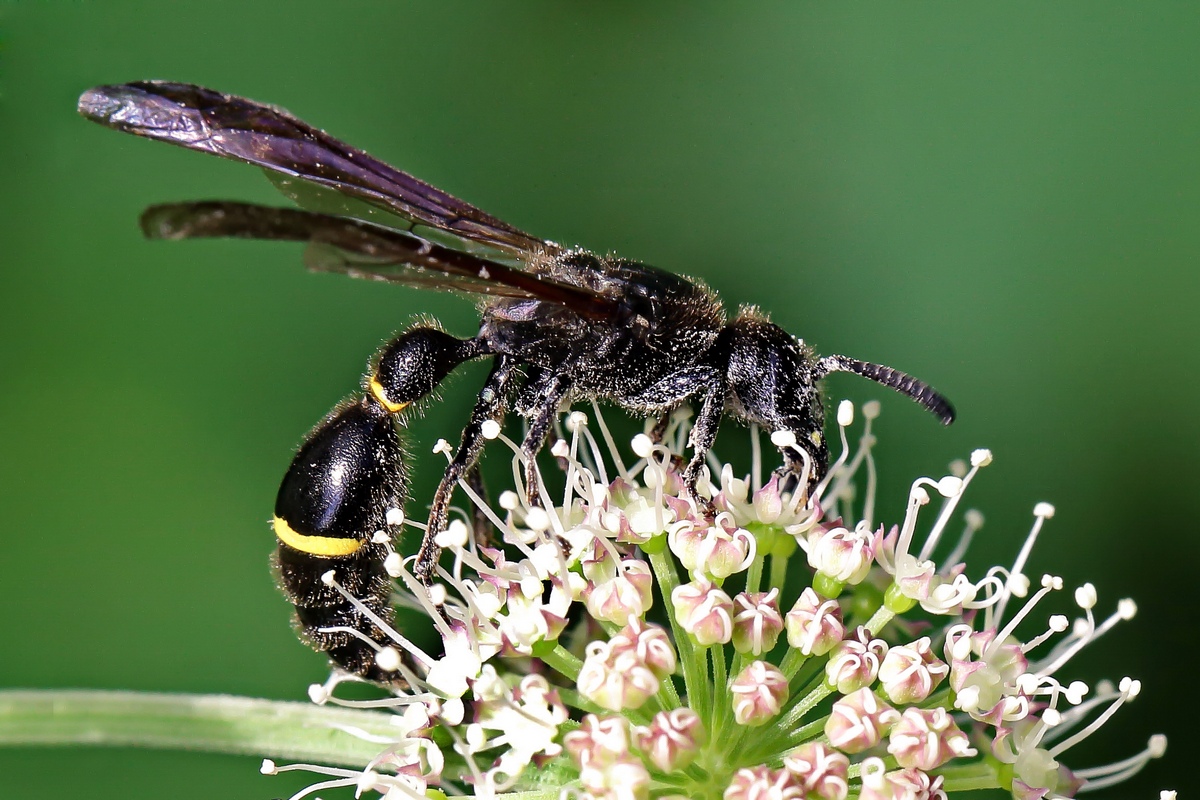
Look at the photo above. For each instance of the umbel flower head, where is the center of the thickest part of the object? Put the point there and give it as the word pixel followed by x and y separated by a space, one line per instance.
pixel 618 644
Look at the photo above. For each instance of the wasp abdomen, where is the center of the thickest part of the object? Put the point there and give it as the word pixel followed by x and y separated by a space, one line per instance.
pixel 334 497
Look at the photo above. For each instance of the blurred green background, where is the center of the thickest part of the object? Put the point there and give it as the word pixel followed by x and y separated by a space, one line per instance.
pixel 1003 199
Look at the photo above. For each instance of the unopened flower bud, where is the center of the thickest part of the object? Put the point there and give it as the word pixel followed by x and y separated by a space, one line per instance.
pixel 625 595
pixel 624 779
pixel 615 681
pixel 672 739
pixel 913 784
pixel 598 740
pixel 819 770
pixel 844 555
pixel 649 644
pixel 814 625
pixel 768 501
pixel 704 611
pixel 927 738
pixel 854 663
pixel 759 692
pixel 859 721
pixel 757 622
pixel 717 551
pixel 910 673
pixel 763 783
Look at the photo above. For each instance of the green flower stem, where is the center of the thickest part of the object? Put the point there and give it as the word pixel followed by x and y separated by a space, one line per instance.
pixel 778 570
pixel 215 723
pixel 754 574
pixel 721 695
pixel 562 661
pixel 576 700
pixel 793 660
pixel 801 709
pixel 664 574
pixel 967 777
pixel 701 700
pixel 942 699
pixel 879 620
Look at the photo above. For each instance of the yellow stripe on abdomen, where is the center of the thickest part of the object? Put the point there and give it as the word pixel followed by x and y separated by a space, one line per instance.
pixel 381 395
pixel 313 545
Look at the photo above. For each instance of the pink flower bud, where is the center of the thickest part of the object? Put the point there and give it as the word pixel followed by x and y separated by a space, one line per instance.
pixel 704 611
pixel 624 595
pixel 819 771
pixel 763 783
pixel 615 681
pixel 926 739
pixel 649 644
pixel 757 622
pixel 624 779
pixel 913 784
pixel 859 721
pixel 842 554
pixel 854 663
pixel 717 551
pixel 910 673
pixel 904 784
pixel 875 783
pixel 759 692
pixel 768 501
pixel 672 739
pixel 598 740
pixel 814 625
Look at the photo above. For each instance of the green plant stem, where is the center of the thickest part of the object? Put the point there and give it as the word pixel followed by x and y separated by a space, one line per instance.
pixel 665 575
pixel 214 723
pixel 721 694
pixel 564 662
pixel 968 777
pixel 778 570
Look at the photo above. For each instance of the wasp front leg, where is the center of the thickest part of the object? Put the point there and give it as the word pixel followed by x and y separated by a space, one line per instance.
pixel 708 382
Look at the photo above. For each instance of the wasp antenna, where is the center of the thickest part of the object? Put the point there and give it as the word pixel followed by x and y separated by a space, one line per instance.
pixel 925 395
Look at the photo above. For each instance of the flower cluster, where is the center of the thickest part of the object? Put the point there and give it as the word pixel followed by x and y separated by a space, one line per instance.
pixel 619 643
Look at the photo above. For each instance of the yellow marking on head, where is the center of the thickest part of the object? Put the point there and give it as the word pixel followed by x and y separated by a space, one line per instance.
pixel 381 396
pixel 314 545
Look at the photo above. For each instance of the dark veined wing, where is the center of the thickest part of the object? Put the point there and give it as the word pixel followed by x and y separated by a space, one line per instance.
pixel 314 197
pixel 240 129
pixel 364 250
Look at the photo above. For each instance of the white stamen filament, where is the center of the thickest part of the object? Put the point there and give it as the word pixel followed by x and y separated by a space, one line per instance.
pixel 973 522
pixel 613 451
pixel 329 580
pixel 1049 584
pixel 955 487
pixel 1118 771
pixel 1129 690
pixel 1026 549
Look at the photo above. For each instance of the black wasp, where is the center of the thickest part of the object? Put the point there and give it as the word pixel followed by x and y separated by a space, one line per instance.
pixel 559 324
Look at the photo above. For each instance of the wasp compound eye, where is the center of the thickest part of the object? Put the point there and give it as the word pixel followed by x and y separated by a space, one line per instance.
pixel 412 364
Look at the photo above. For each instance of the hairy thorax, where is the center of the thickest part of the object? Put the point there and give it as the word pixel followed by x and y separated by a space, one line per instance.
pixel 666 322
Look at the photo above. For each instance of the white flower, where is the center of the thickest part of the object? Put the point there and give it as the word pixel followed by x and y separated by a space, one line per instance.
pixel 636 714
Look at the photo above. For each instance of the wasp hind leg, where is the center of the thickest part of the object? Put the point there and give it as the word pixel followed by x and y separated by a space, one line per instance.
pixel 489 407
